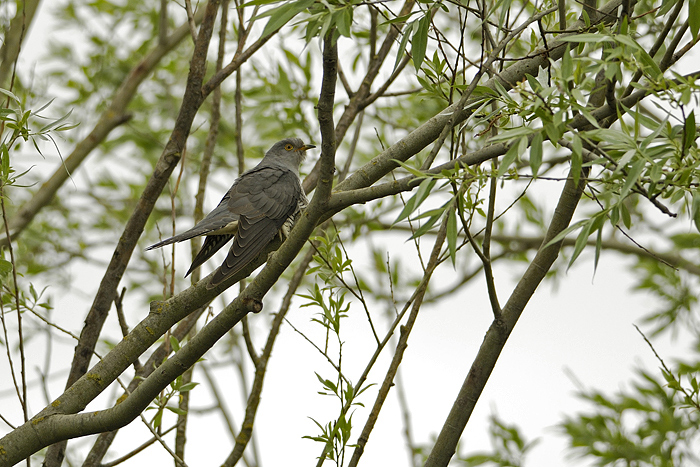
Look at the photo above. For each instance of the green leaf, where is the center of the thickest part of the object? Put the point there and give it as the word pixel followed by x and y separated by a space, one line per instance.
pixel 581 241
pixel 689 130
pixel 576 158
pixel 343 21
pixel 625 214
pixel 423 229
pixel 10 95
pixel 561 235
pixel 416 200
pixel 5 267
pixel 588 37
pixel 57 123
pixel 187 387
pixel 452 235
pixel 4 162
pixel 419 41
pixel 259 2
pixel 511 134
pixel 628 41
pixel 282 14
pixel 632 176
pixel 158 418
pixel 536 153
pixel 176 410
pixel 567 64
pixel 694 17
pixel 554 132
pixel 513 152
pixel 404 40
pixel 598 246
pixel 649 64
pixel 174 343
pixel 695 209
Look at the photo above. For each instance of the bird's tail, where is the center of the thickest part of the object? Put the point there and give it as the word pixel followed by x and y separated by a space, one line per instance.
pixel 212 244
pixel 178 238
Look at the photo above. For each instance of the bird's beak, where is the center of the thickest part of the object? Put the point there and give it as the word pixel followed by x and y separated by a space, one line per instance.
pixel 307 146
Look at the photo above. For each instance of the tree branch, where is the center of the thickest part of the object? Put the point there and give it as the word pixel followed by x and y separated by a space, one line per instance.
pixel 14 35
pixel 111 118
pixel 422 136
pixel 405 331
pixel 134 227
pixel 500 329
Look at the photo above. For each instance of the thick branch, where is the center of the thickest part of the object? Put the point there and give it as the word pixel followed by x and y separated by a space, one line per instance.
pixel 13 38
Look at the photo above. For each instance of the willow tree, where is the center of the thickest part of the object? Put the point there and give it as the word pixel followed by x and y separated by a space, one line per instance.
pixel 436 122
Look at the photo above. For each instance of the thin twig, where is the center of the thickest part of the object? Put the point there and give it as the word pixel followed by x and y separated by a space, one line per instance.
pixel 688 397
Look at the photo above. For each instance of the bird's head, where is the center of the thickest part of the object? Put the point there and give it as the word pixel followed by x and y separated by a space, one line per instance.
pixel 289 152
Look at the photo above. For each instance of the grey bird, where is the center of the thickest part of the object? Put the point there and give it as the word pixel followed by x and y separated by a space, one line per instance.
pixel 263 201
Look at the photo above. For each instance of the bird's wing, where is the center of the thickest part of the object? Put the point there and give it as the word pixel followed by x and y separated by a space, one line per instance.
pixel 220 218
pixel 264 199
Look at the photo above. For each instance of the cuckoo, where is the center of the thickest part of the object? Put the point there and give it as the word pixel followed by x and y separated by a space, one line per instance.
pixel 262 202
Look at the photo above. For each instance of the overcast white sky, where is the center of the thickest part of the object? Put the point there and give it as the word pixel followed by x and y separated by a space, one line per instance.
pixel 585 328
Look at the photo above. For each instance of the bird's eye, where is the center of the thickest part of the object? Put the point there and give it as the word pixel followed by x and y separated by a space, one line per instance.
pixel 288 147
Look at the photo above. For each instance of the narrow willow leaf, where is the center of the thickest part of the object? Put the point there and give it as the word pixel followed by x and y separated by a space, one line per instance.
pixel 259 2
pixel 598 249
pixel 614 216
pixel 187 387
pixel 452 235
pixel 511 133
pixel 511 156
pixel 628 41
pixel 415 172
pixel 9 94
pixel 596 38
pixel 553 131
pixel 632 176
pixel 404 40
pixel 567 64
pixel 694 17
pixel 625 215
pixel 534 84
pixel 423 229
pixel 689 130
pixel 283 14
pixel 419 41
pixel 625 159
pixel 581 241
pixel 650 65
pixel 4 162
pixel 576 158
pixel 561 235
pixel 536 153
pixel 695 210
pixel 416 200
pixel 57 123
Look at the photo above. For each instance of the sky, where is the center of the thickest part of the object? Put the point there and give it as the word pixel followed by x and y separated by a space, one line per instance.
pixel 580 330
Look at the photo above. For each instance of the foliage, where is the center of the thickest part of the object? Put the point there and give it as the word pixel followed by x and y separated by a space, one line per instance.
pixel 647 425
pixel 457 125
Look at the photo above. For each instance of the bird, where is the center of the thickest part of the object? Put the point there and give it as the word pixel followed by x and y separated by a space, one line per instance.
pixel 262 202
